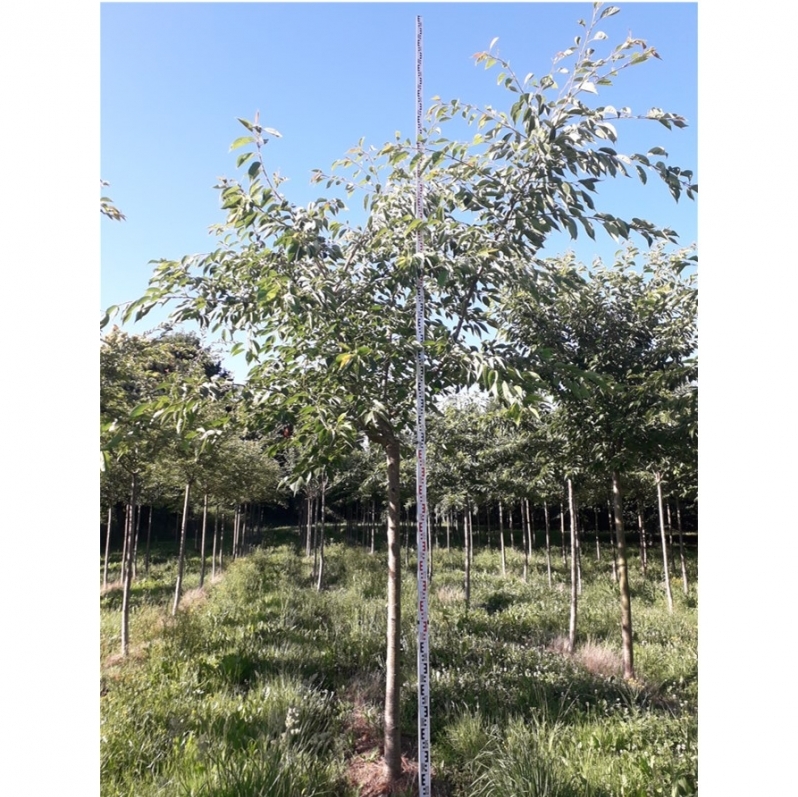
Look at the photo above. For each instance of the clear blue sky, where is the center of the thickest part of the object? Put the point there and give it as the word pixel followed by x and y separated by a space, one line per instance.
pixel 174 77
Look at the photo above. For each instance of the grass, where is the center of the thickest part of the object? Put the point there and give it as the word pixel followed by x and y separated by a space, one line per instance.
pixel 262 686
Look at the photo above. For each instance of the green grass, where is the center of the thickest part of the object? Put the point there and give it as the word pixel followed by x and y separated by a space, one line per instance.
pixel 254 688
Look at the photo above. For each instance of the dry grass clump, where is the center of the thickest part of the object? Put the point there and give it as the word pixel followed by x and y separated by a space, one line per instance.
pixel 450 594
pixel 596 658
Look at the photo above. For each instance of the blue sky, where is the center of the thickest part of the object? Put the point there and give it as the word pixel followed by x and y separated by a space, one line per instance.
pixel 174 77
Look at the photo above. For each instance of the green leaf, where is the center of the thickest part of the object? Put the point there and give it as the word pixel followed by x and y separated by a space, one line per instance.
pixel 240 142
pixel 272 132
pixel 253 168
pixel 243 158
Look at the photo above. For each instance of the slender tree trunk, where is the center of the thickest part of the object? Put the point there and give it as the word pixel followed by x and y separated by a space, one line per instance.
pixel 236 523
pixel 467 548
pixel 501 541
pixel 471 533
pixel 430 537
pixel 316 507
pixel 107 544
pixel 611 522
pixel 392 740
pixel 149 541
pixel 574 577
pixel 215 541
pixel 321 536
pixel 182 553
pixel 681 547
pixel 373 527
pixel 221 544
pixel 670 528
pixel 242 529
pixel 530 525
pixel 127 569
pixel 407 538
pixel 665 566
pixel 510 526
pixel 562 534
pixel 202 541
pixel 575 524
pixel 598 541
pixel 125 539
pixel 448 531
pixel 525 536
pixel 136 542
pixel 623 581
pixel 309 527
pixel 548 541
pixel 643 547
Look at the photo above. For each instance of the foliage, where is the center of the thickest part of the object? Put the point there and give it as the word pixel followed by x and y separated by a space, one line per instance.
pixel 107 207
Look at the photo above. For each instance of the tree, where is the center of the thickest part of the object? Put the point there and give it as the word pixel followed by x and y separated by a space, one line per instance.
pixel 617 350
pixel 139 379
pixel 327 305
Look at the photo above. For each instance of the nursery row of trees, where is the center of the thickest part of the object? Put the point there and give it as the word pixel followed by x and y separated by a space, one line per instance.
pixel 594 365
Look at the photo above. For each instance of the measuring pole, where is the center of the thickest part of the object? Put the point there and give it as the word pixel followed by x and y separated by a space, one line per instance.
pixel 424 779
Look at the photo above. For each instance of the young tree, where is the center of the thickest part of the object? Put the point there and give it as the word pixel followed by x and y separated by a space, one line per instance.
pixel 327 306
pixel 616 349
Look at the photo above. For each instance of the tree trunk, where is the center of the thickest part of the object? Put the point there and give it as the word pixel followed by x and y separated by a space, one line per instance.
pixel 215 541
pixel 575 525
pixel 149 540
pixel 562 534
pixel 242 529
pixel 182 553
pixel 611 521
pixel 309 527
pixel 373 530
pixel 598 541
pixel 392 740
pixel 202 540
pixel 127 569
pixel 107 544
pixel 643 548
pixel 315 570
pixel 501 541
pixel 469 529
pixel 530 525
pixel 681 546
pixel 467 548
pixel 136 542
pixel 236 525
pixel 448 530
pixel 321 536
pixel 221 544
pixel 623 581
pixel 525 537
pixel 548 541
pixel 665 567
pixel 574 577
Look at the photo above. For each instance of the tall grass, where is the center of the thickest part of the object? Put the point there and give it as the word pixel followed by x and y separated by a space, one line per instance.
pixel 262 686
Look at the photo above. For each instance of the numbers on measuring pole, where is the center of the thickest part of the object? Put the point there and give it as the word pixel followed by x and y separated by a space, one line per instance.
pixel 424 777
